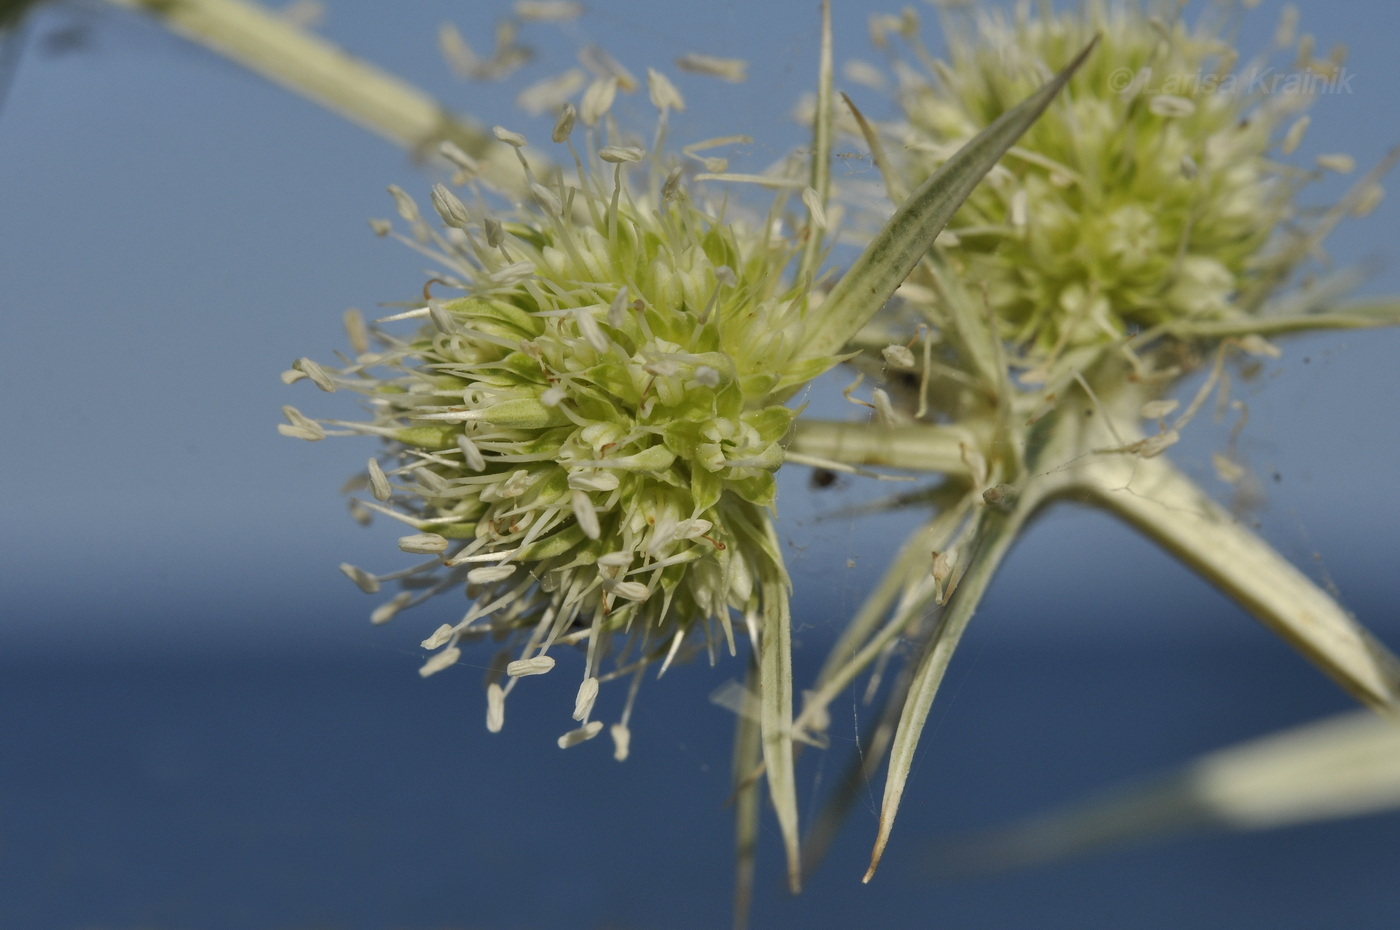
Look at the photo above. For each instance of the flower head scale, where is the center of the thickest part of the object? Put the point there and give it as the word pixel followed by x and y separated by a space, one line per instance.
pixel 587 438
pixel 1148 198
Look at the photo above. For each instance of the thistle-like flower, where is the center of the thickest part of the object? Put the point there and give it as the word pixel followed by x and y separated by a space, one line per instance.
pixel 1140 229
pixel 587 438
pixel 1148 198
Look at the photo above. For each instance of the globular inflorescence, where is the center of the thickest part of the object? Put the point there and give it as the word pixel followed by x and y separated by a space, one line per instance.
pixel 1150 193
pixel 586 438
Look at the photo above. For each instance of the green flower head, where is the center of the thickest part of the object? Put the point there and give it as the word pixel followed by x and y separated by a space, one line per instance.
pixel 1147 195
pixel 586 439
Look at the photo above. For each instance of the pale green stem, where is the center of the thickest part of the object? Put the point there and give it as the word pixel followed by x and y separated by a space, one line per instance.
pixel 748 757
pixel 1383 311
pixel 1168 508
pixel 928 448
pixel 1354 316
pixel 320 71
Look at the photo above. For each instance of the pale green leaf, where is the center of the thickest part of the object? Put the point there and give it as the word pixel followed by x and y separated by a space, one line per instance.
pixel 991 540
pixel 898 247
pixel 861 770
pixel 1168 508
pixel 775 719
pixel 910 581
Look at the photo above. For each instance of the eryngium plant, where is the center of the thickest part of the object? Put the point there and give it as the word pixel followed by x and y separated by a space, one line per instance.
pixel 586 439
pixel 1142 229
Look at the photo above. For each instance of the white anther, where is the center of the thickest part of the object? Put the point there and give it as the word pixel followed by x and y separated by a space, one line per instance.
pixel 1156 409
pixel 733 70
pixel 423 543
pixel 390 608
pixel 898 356
pixel 300 426
pixel 593 480
pixel 1294 137
pixel 522 668
pixel 706 376
pixel 631 590
pixel 662 92
pixel 564 125
pixel 449 207
pixel 316 373
pixel 489 573
pixel 621 154
pixel 378 483
pixel 588 328
pixel 815 209
pixel 585 514
pixel 1170 106
pixel 475 460
pixel 440 637
pixel 582 735
pixel 587 694
pixel 366 582
pixel 513 139
pixel 495 708
pixel 440 661
pixel 622 741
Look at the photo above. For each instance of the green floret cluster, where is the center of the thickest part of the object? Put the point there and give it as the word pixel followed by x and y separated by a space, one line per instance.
pixel 588 439
pixel 1146 196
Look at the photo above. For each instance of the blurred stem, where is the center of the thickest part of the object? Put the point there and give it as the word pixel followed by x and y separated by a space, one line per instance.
pixel 1344 766
pixel 325 74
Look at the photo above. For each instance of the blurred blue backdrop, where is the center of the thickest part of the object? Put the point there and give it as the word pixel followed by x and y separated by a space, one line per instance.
pixel 198 725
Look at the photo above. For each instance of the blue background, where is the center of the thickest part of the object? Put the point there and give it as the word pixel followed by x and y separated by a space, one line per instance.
pixel 199 728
